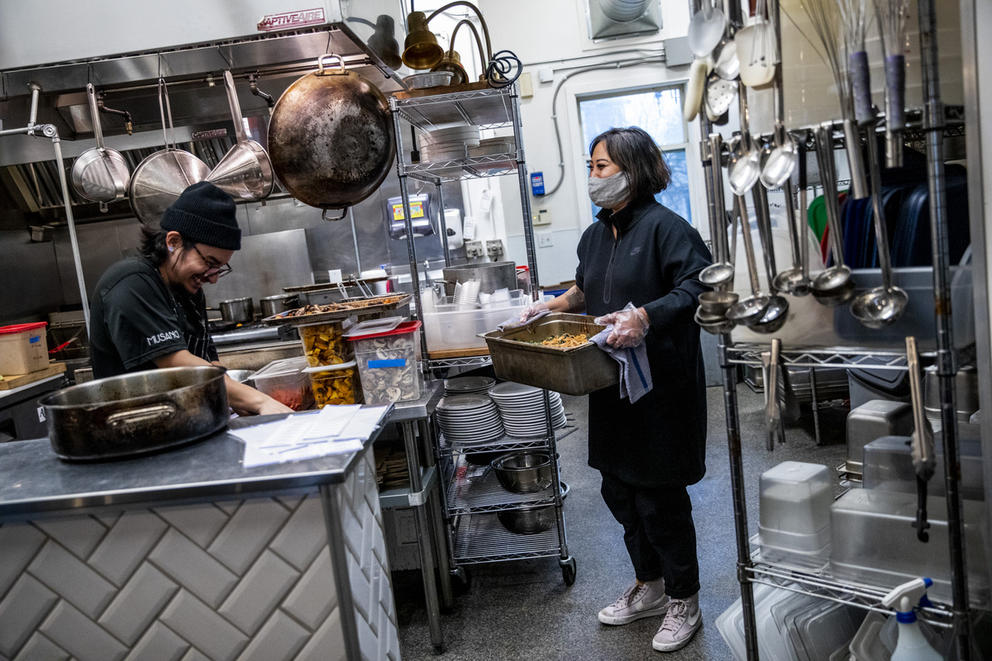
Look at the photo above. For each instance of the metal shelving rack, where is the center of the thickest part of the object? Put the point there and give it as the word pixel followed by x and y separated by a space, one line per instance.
pixel 751 568
pixel 475 534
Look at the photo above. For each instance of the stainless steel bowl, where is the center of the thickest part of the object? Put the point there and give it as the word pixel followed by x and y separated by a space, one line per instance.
pixel 524 472
pixel 528 520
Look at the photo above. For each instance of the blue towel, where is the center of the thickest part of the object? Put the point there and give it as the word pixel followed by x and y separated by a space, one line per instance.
pixel 635 373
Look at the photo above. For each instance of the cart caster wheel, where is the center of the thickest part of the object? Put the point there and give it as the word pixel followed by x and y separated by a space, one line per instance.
pixel 568 570
pixel 463 580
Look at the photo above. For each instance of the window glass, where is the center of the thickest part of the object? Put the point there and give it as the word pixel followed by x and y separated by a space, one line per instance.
pixel 659 112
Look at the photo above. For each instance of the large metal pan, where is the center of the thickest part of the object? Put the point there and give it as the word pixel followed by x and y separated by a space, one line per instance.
pixel 331 138
pixel 131 414
pixel 99 174
pixel 162 177
pixel 518 356
pixel 245 171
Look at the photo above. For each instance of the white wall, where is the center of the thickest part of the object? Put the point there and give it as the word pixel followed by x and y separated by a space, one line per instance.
pixel 552 34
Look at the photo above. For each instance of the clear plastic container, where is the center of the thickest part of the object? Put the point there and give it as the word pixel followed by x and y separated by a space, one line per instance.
pixel 889 465
pixel 388 364
pixel 874 419
pixel 324 344
pixel 449 326
pixel 24 348
pixel 335 384
pixel 873 540
pixel 285 381
pixel 795 512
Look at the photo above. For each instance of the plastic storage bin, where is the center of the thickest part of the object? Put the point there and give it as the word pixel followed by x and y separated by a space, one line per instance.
pixel 335 384
pixel 324 344
pixel 388 364
pixel 795 512
pixel 873 541
pixel 23 348
pixel 285 381
pixel 450 327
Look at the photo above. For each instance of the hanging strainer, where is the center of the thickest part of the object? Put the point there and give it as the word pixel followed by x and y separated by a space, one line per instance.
pixel 161 177
pixel 245 171
pixel 99 174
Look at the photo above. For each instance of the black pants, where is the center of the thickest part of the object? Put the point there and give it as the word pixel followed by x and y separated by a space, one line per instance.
pixel 658 532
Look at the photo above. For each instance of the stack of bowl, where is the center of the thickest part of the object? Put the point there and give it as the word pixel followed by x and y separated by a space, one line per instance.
pixel 711 315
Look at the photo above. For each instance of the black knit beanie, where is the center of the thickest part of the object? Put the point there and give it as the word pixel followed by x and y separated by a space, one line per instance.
pixel 205 214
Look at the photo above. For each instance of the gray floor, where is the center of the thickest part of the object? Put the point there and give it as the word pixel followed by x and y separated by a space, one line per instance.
pixel 523 610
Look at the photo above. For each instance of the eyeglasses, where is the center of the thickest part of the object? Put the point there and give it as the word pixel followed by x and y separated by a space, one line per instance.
pixel 213 267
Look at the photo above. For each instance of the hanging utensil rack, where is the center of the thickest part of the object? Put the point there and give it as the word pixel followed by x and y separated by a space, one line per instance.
pixel 928 126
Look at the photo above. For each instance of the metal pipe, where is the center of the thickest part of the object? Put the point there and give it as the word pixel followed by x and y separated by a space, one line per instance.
pixel 946 368
pixel 354 241
pixel 482 22
pixel 76 259
pixel 443 223
pixel 535 282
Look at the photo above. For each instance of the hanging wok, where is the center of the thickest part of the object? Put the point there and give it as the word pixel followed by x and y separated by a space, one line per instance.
pixel 331 138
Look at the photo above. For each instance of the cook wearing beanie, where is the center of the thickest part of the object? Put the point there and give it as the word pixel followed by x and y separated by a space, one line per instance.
pixel 149 311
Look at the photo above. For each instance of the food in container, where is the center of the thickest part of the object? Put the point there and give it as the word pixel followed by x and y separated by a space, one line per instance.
pixel 335 384
pixel 387 364
pixel 324 344
pixel 285 381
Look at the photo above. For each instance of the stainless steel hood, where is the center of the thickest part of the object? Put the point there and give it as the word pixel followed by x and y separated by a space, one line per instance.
pixel 28 172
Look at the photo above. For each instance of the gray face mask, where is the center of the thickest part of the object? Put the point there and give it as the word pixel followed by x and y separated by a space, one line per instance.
pixel 609 192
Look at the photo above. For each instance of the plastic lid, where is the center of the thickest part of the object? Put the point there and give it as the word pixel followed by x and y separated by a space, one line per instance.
pixel 20 328
pixel 331 368
pixel 375 326
pixel 403 329
pixel 282 367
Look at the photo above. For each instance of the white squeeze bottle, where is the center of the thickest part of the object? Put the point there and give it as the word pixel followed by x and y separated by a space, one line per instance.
pixel 911 644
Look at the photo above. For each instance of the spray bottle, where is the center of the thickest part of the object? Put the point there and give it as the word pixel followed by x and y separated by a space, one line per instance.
pixel 911 644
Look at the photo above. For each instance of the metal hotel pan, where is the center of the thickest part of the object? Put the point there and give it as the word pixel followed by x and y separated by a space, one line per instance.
pixel 518 356
pixel 136 413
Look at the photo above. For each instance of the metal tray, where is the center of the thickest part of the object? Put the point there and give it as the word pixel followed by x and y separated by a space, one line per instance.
pixel 366 311
pixel 577 371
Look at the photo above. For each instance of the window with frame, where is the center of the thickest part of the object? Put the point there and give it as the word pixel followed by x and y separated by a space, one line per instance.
pixel 659 112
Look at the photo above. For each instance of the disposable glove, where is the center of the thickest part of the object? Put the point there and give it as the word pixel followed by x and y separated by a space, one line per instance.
pixel 630 325
pixel 533 310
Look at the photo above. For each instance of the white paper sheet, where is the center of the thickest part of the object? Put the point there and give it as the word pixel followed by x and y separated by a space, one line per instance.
pixel 334 430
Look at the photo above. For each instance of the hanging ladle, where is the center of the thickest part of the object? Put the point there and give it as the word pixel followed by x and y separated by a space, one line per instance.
pixel 778 306
pixel 706 28
pixel 745 157
pixel 721 271
pixel 793 281
pixel 881 306
pixel 748 311
pixel 832 286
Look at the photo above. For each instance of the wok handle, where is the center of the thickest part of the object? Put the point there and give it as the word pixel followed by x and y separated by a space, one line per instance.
pixel 142 415
pixel 94 115
pixel 320 65
pixel 235 107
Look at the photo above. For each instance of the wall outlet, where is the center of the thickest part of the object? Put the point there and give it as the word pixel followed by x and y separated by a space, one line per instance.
pixel 474 249
pixel 542 217
pixel 545 240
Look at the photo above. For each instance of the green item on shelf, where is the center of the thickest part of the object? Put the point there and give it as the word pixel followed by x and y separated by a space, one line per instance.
pixel 816 216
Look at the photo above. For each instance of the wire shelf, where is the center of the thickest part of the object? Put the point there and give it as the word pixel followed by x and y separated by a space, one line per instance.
pixel 839 357
pixel 482 538
pixel 486 108
pixel 470 361
pixel 818 582
pixel 505 444
pixel 471 167
pixel 476 489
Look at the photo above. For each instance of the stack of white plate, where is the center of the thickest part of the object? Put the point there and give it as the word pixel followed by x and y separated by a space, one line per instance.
pixel 468 385
pixel 448 144
pixel 522 409
pixel 469 419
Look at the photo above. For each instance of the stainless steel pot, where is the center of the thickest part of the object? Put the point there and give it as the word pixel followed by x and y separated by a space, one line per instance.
pixel 99 174
pixel 331 138
pixel 136 413
pixel 238 310
pixel 524 472
pixel 278 303
pixel 528 520
pixel 491 276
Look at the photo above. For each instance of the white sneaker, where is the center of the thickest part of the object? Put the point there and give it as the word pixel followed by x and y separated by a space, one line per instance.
pixel 640 600
pixel 682 621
